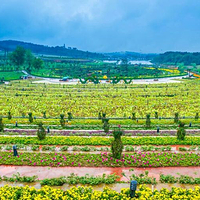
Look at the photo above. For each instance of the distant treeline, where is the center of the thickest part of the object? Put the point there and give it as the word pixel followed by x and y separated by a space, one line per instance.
pixel 10 45
pixel 178 57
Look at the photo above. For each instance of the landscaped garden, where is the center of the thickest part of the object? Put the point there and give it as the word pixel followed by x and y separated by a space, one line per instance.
pixel 90 141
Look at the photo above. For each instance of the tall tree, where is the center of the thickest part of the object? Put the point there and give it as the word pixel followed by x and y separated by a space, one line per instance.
pixel 29 59
pixel 37 63
pixel 17 57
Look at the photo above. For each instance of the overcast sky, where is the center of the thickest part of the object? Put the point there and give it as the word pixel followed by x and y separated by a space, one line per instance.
pixel 104 25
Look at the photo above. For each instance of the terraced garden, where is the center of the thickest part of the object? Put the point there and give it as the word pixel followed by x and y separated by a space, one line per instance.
pixel 81 124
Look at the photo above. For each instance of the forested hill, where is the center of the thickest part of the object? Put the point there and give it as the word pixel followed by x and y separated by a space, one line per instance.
pixel 178 57
pixel 10 45
pixel 130 55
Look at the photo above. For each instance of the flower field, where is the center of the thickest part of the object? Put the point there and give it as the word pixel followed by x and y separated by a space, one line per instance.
pixel 97 140
pixel 101 159
pixel 83 143
pixel 85 193
pixel 88 100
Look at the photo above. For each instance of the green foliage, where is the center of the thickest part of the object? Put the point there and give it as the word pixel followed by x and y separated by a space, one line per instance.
pixel 1 125
pixel 103 117
pixel 99 115
pixel 117 145
pixel 64 148
pixel 178 57
pixel 18 178
pixel 17 57
pixel 30 117
pixel 75 179
pixel 181 132
pixel 48 148
pixel 9 115
pixel 44 115
pixel 156 115
pixel 41 133
pixel 69 116
pixel 143 178
pixel 37 63
pixel 197 116
pixel 106 125
pixel 182 179
pixel 148 121
pixel 176 120
pixel 35 147
pixel 133 116
pixel 62 120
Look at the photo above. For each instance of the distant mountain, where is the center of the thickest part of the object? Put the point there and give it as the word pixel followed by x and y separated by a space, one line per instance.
pixel 10 45
pixel 187 58
pixel 130 55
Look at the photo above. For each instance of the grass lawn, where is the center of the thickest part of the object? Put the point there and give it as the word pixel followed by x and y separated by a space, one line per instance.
pixel 11 75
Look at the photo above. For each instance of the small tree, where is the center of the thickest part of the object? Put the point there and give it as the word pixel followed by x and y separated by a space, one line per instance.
pixel 197 116
pixel 156 115
pixel 117 145
pixel 44 115
pixel 106 125
pixel 99 115
pixel 41 133
pixel 62 120
pixel 69 116
pixel 1 125
pixel 103 117
pixel 133 116
pixel 148 121
pixel 30 117
pixel 181 131
pixel 9 115
pixel 176 118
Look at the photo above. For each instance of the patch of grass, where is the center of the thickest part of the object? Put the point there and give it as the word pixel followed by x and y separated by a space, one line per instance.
pixel 10 75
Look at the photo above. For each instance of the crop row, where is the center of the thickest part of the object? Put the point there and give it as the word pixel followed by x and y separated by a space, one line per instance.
pixel 73 179
pixel 140 159
pixel 97 140
pixel 128 148
pixel 88 102
pixel 82 193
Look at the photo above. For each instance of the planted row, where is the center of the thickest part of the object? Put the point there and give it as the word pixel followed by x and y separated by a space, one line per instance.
pixel 71 179
pixel 104 159
pixel 75 140
pixel 81 193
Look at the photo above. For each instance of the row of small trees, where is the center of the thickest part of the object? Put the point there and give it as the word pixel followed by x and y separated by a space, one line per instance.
pixel 103 116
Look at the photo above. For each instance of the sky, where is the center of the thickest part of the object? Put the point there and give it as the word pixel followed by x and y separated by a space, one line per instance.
pixel 147 26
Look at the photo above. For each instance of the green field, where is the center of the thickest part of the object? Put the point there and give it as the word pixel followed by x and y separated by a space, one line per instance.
pixel 10 75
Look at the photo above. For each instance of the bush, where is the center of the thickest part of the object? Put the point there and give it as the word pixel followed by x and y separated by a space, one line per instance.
pixel 106 125
pixel 117 145
pixel 69 116
pixel 156 115
pixel 103 117
pixel 197 116
pixel 181 131
pixel 62 120
pixel 148 121
pixel 99 115
pixel 1 125
pixel 41 133
pixel 133 116
pixel 30 117
pixel 176 118
pixel 9 115
pixel 44 115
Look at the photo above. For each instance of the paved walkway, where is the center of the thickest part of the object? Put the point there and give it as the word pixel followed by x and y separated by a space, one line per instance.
pixel 53 172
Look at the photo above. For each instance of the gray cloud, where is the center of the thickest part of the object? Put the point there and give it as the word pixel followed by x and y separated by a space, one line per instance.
pixel 104 25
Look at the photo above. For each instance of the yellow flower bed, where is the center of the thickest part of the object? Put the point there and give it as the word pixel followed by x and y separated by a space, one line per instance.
pixel 86 193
